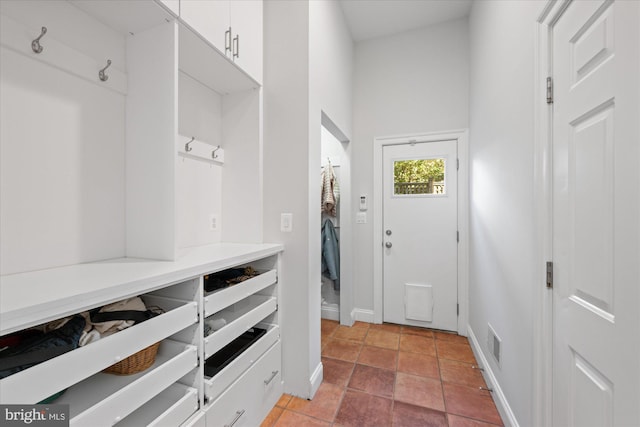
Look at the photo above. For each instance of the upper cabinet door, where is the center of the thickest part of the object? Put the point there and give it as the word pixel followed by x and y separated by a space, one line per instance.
pixel 246 25
pixel 210 18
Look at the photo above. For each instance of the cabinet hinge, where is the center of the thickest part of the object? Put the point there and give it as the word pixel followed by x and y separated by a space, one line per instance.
pixel 549 274
pixel 549 90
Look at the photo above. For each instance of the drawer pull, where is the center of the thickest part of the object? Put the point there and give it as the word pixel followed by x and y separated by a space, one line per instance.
pixel 273 375
pixel 235 420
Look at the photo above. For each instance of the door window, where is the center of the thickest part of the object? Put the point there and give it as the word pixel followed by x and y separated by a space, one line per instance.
pixel 421 176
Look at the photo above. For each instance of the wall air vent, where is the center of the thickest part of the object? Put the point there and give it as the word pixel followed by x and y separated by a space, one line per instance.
pixel 494 344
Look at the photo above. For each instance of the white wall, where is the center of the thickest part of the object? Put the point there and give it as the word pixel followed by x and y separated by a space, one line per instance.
pixel 502 234
pixel 198 183
pixel 330 94
pixel 286 153
pixel 331 64
pixel 408 83
pixel 306 71
pixel 62 145
pixel 243 143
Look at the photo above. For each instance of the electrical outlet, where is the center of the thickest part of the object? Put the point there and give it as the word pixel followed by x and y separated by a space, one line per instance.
pixel 214 222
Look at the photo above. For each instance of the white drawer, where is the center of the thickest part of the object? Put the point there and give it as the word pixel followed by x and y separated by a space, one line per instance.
pixel 216 385
pixel 171 407
pixel 38 382
pixel 268 382
pixel 105 399
pixel 217 300
pixel 239 319
pixel 245 401
pixel 198 420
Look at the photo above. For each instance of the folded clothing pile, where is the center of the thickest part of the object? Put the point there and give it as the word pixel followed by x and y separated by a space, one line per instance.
pixel 30 347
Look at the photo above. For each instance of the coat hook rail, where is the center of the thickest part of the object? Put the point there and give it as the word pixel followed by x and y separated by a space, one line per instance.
pixel 213 153
pixel 102 74
pixel 35 45
pixel 186 146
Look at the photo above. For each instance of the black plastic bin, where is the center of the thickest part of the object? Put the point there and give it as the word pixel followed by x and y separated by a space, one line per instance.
pixel 228 353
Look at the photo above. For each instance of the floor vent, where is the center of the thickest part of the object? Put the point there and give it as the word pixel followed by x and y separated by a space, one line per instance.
pixel 494 344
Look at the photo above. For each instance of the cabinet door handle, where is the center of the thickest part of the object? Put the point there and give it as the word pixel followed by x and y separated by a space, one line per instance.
pixel 236 46
pixel 227 41
pixel 235 420
pixel 273 375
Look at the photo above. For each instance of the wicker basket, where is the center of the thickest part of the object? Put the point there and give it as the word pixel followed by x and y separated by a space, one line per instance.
pixel 135 363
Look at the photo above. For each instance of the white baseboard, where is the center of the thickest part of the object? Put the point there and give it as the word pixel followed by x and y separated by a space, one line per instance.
pixel 362 315
pixel 316 380
pixel 492 382
pixel 330 311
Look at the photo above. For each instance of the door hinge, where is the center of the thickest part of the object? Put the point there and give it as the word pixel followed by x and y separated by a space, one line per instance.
pixel 458 236
pixel 549 90
pixel 457 309
pixel 457 164
pixel 549 274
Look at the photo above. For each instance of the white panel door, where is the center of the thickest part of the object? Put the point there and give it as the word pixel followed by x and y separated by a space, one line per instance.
pixel 420 224
pixel 596 357
pixel 247 32
pixel 211 19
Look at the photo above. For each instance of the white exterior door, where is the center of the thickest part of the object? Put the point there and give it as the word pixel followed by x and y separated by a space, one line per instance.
pixel 420 236
pixel 596 139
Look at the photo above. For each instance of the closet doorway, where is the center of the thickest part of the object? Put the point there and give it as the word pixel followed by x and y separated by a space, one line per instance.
pixel 335 195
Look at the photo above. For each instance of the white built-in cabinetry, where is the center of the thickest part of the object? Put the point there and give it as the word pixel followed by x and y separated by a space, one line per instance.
pixel 175 389
pixel 172 5
pixel 180 209
pixel 233 27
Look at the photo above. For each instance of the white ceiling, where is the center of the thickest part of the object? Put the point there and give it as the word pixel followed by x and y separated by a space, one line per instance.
pixel 376 18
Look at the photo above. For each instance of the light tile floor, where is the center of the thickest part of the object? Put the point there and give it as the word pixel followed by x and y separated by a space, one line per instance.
pixel 391 375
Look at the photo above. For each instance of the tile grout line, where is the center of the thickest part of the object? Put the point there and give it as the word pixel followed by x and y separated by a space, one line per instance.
pixel 444 399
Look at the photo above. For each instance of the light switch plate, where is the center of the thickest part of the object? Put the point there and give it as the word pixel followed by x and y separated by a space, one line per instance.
pixel 286 222
pixel 361 218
